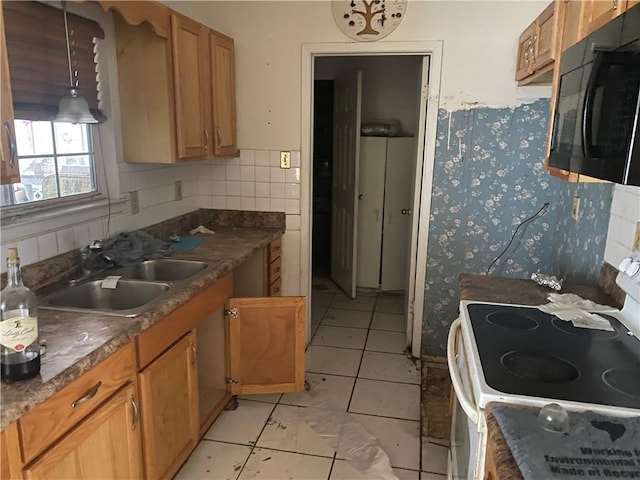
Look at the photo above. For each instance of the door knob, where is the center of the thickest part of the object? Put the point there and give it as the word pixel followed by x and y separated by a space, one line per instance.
pixel 405 211
pixel 360 197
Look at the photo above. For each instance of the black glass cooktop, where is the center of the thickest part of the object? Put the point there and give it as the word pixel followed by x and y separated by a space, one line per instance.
pixel 525 351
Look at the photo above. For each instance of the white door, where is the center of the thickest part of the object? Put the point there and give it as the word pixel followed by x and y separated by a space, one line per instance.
pixel 373 154
pixel 398 204
pixel 344 206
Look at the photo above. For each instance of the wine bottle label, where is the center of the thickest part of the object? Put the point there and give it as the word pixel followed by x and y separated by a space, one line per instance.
pixel 18 332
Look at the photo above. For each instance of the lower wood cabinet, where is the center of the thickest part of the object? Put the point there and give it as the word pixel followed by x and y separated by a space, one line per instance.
pixel 170 419
pixel 107 444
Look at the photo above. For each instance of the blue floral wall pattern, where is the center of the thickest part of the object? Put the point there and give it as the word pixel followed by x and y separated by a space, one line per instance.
pixel 488 178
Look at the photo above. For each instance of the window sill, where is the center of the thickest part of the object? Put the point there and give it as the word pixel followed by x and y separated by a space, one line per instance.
pixel 25 224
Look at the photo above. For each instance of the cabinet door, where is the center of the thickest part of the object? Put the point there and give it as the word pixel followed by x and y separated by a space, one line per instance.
pixel 10 460
pixel 107 444
pixel 191 78
pixel 266 344
pixel 545 37
pixel 9 172
pixel 524 62
pixel 169 396
pixel 598 12
pixel 223 97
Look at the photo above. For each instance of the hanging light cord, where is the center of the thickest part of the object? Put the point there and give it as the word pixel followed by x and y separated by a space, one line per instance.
pixel 542 209
pixel 66 33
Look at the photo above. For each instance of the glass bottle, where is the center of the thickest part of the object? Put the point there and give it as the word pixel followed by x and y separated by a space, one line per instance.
pixel 19 345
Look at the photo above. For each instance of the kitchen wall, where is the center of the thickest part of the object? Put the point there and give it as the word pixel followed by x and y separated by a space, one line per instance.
pixel 625 213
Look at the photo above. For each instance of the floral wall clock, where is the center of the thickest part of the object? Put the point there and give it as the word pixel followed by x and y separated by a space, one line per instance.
pixel 368 20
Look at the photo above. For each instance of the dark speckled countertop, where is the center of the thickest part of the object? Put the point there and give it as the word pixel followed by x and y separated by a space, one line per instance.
pixel 77 342
pixel 517 291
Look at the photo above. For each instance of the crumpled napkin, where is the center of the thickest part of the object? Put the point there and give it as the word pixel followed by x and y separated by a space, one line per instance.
pixel 201 229
pixel 577 310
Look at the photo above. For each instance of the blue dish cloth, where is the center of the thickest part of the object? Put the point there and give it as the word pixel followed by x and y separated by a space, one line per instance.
pixel 186 243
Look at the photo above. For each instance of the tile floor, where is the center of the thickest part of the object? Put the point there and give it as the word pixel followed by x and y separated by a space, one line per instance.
pixel 355 363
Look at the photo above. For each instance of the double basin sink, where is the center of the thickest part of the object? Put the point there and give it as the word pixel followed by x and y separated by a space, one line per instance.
pixel 140 286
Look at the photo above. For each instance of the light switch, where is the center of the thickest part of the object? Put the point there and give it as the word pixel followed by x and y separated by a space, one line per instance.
pixel 285 159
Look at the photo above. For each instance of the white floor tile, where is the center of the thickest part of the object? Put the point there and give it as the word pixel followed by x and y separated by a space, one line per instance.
pixel 214 460
pixel 389 342
pixel 273 465
pixel 390 367
pixel 242 425
pixel 366 292
pixel 314 329
pixel 286 430
pixel 386 399
pixel 400 439
pixel 329 390
pixel 343 470
pixel 316 314
pixel 434 457
pixel 324 285
pixel 264 397
pixel 432 476
pixel 359 303
pixel 390 305
pixel 389 321
pixel 346 318
pixel 336 361
pixel 340 337
pixel 321 299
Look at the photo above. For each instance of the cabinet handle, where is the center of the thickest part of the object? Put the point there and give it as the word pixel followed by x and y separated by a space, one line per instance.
pixel 13 147
pixel 195 355
pixel 218 136
pixel 136 413
pixel 405 211
pixel 87 396
pixel 526 58
pixel 615 4
pixel 206 138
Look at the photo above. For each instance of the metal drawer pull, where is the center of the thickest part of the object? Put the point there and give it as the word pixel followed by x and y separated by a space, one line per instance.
pixel 195 354
pixel 219 137
pixel 136 413
pixel 206 138
pixel 87 396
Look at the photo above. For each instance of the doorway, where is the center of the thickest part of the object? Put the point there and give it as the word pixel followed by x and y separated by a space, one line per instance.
pixel 423 126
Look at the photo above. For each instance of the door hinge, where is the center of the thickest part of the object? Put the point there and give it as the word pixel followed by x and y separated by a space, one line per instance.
pixel 233 313
pixel 233 380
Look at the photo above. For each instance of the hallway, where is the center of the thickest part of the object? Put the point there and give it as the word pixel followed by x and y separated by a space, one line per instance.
pixel 355 363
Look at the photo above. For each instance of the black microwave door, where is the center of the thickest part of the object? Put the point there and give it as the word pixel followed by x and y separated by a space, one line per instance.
pixel 610 115
pixel 565 121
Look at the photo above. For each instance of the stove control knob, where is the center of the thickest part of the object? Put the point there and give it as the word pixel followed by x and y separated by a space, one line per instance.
pixel 633 269
pixel 625 264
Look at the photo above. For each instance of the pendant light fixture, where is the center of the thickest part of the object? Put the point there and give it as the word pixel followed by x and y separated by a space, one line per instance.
pixel 73 107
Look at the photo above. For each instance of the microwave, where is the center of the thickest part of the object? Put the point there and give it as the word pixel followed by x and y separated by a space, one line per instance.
pixel 597 112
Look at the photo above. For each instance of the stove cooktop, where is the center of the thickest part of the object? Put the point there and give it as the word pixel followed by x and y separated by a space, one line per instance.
pixel 524 351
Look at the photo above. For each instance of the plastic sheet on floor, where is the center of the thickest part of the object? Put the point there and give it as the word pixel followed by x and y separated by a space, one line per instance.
pixel 350 440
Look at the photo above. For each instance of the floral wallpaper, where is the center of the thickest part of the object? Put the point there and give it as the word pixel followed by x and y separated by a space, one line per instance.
pixel 488 178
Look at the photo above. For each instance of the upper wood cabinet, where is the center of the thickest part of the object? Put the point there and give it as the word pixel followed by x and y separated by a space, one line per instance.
pixel 598 12
pixel 9 172
pixel 106 445
pixel 223 95
pixel 192 91
pixel 538 47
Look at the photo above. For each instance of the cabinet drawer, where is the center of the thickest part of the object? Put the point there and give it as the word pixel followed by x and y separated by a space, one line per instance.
pixel 49 421
pixel 274 249
pixel 274 270
pixel 275 288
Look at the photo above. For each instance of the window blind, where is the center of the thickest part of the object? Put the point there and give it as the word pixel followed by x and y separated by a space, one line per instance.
pixel 37 54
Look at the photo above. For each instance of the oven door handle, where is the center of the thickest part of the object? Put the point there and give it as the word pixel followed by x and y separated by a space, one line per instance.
pixel 465 402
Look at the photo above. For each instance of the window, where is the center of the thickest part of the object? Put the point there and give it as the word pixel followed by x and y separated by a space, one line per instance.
pixel 55 161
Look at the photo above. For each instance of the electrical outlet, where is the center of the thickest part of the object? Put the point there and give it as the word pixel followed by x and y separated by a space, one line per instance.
pixel 575 211
pixel 285 159
pixel 133 201
pixel 178 186
pixel 636 238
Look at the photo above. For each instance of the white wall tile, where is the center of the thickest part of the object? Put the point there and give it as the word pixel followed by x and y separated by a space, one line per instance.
pixel 292 190
pixel 218 172
pixel 277 205
pixel 96 231
pixel 234 203
pixel 205 186
pixel 276 174
pixel 276 190
pixel 233 188
pixel 47 245
pixel 262 189
pixel 274 158
pixel 248 203
pixel 292 206
pixel 247 173
pixel 218 187
pixel 248 189
pixel 65 240
pixel 263 204
pixel 293 222
pixel 81 235
pixel 293 175
pixel 262 158
pixel 28 251
pixel 219 202
pixel 625 213
pixel 232 172
pixel 262 174
pixel 295 159
pixel 247 157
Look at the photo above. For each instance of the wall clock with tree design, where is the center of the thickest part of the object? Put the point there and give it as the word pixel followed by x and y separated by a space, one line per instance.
pixel 368 20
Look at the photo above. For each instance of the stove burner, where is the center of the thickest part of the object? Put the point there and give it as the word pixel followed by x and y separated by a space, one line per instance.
pixel 623 381
pixel 567 327
pixel 539 367
pixel 511 320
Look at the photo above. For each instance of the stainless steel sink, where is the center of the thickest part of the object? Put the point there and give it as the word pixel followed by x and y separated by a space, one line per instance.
pixel 128 299
pixel 162 270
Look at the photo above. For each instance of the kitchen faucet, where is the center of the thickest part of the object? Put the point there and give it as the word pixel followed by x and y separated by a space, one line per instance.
pixel 88 256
